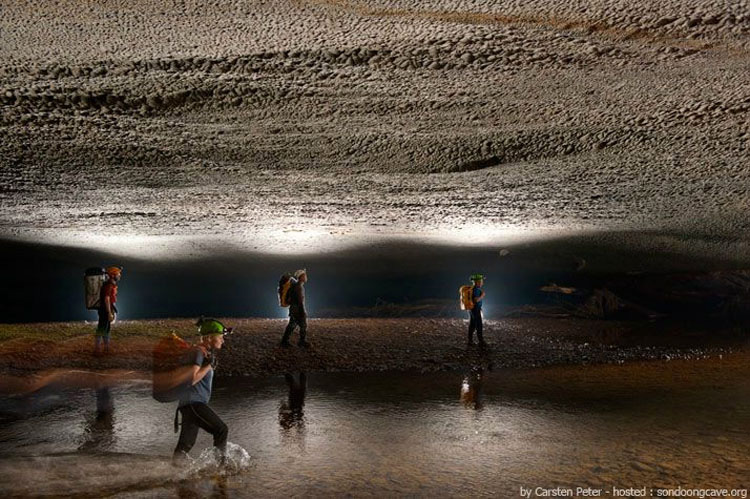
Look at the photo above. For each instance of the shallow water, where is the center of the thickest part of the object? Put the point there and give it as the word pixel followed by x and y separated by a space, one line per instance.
pixel 478 432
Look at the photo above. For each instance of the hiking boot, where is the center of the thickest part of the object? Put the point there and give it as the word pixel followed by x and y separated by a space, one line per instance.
pixel 483 345
pixel 303 344
pixel 285 344
pixel 470 343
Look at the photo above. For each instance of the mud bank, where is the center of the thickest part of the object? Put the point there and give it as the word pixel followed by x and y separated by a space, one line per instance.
pixel 370 345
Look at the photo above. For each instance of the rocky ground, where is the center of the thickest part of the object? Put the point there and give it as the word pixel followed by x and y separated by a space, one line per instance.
pixel 305 120
pixel 364 345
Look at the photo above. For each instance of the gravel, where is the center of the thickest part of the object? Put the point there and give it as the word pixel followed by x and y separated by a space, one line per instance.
pixel 373 345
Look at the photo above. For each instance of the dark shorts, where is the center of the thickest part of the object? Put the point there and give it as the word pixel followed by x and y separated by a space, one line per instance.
pixel 103 326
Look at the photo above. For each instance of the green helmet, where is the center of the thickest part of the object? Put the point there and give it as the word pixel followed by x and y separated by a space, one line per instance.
pixel 210 327
pixel 477 277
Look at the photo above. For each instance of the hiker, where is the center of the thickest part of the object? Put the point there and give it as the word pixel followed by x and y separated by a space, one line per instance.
pixel 475 313
pixel 193 401
pixel 297 312
pixel 107 309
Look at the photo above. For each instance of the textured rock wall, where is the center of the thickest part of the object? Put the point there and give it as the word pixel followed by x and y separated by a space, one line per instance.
pixel 176 118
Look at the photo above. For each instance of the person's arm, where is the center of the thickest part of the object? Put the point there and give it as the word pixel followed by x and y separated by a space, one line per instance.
pixel 200 368
pixel 108 308
pixel 301 297
pixel 199 372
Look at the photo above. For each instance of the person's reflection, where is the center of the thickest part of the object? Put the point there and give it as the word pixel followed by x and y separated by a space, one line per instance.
pixel 471 388
pixel 191 489
pixel 99 433
pixel 220 487
pixel 291 412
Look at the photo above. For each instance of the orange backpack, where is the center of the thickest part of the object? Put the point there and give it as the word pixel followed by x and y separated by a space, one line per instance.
pixel 285 285
pixel 171 374
pixel 466 294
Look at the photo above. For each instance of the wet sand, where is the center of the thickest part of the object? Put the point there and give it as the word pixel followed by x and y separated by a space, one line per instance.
pixel 369 345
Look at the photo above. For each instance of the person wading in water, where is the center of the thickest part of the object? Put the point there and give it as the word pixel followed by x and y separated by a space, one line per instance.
pixel 193 402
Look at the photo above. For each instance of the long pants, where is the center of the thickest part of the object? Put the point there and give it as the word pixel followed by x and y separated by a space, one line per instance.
pixel 199 415
pixel 295 319
pixel 475 324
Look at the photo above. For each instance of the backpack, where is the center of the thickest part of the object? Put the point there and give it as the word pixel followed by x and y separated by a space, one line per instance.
pixel 285 286
pixel 466 295
pixel 171 374
pixel 93 280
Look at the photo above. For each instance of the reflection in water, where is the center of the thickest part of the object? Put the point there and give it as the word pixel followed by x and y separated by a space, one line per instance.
pixel 61 378
pixel 193 489
pixel 104 402
pixel 99 433
pixel 471 388
pixel 396 434
pixel 291 412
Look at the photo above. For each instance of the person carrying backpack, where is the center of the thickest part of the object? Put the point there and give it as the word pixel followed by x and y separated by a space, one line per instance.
pixel 193 401
pixel 297 312
pixel 107 309
pixel 475 312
